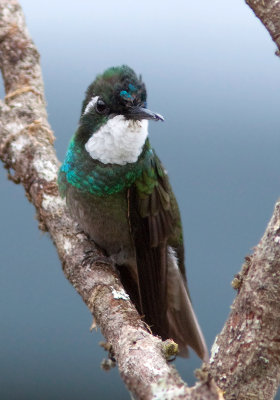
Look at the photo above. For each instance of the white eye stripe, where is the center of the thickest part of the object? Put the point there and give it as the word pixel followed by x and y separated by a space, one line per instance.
pixel 91 104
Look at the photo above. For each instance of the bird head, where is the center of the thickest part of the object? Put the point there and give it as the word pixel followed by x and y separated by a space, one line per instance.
pixel 113 122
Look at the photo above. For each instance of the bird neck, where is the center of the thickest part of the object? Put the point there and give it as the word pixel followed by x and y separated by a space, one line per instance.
pixel 119 141
pixel 94 177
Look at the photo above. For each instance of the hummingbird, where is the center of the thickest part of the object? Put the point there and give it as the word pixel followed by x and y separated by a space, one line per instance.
pixel 118 191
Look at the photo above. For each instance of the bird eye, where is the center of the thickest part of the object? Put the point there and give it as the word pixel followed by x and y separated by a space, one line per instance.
pixel 101 107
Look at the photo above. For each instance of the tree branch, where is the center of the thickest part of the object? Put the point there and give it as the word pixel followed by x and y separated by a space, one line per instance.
pixel 247 352
pixel 26 148
pixel 245 356
pixel 268 11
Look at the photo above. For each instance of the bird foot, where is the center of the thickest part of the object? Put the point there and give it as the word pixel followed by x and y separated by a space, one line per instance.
pixel 92 256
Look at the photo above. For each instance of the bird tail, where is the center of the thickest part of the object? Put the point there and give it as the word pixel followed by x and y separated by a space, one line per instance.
pixel 183 326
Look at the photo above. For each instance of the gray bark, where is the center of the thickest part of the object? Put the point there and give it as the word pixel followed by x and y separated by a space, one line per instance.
pixel 245 356
pixel 268 11
pixel 26 149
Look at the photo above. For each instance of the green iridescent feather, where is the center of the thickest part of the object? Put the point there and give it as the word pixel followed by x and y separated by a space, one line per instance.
pixel 91 176
pixel 131 212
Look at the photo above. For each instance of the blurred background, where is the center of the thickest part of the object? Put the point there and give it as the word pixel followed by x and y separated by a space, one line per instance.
pixel 210 69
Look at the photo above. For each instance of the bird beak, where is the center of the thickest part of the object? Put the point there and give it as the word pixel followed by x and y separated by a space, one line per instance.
pixel 142 113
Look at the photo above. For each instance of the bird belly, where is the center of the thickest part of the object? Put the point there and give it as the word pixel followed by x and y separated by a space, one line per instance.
pixel 105 219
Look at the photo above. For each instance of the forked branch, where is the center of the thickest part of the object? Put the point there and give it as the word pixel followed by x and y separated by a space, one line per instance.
pixel 245 356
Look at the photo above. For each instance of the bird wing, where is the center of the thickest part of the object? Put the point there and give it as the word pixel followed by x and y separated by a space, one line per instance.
pixel 157 233
pixel 152 222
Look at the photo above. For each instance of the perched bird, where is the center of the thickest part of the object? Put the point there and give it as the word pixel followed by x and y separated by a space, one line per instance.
pixel 119 192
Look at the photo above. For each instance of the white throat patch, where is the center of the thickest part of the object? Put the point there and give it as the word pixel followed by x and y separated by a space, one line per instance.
pixel 119 141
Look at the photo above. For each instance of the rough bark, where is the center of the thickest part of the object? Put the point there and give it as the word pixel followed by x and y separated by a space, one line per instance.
pixel 268 11
pixel 245 355
pixel 26 148
pixel 245 359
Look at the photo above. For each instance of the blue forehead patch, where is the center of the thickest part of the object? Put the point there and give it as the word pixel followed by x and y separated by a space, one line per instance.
pixel 132 88
pixel 125 94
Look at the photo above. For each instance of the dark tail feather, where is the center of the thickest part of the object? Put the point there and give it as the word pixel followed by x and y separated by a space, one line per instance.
pixel 183 325
pixel 162 293
pixel 152 275
pixel 149 239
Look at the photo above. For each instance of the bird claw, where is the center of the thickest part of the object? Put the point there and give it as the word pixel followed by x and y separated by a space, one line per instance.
pixel 171 359
pixel 91 258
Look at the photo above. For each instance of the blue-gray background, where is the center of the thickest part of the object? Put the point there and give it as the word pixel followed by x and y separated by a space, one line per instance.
pixel 210 70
